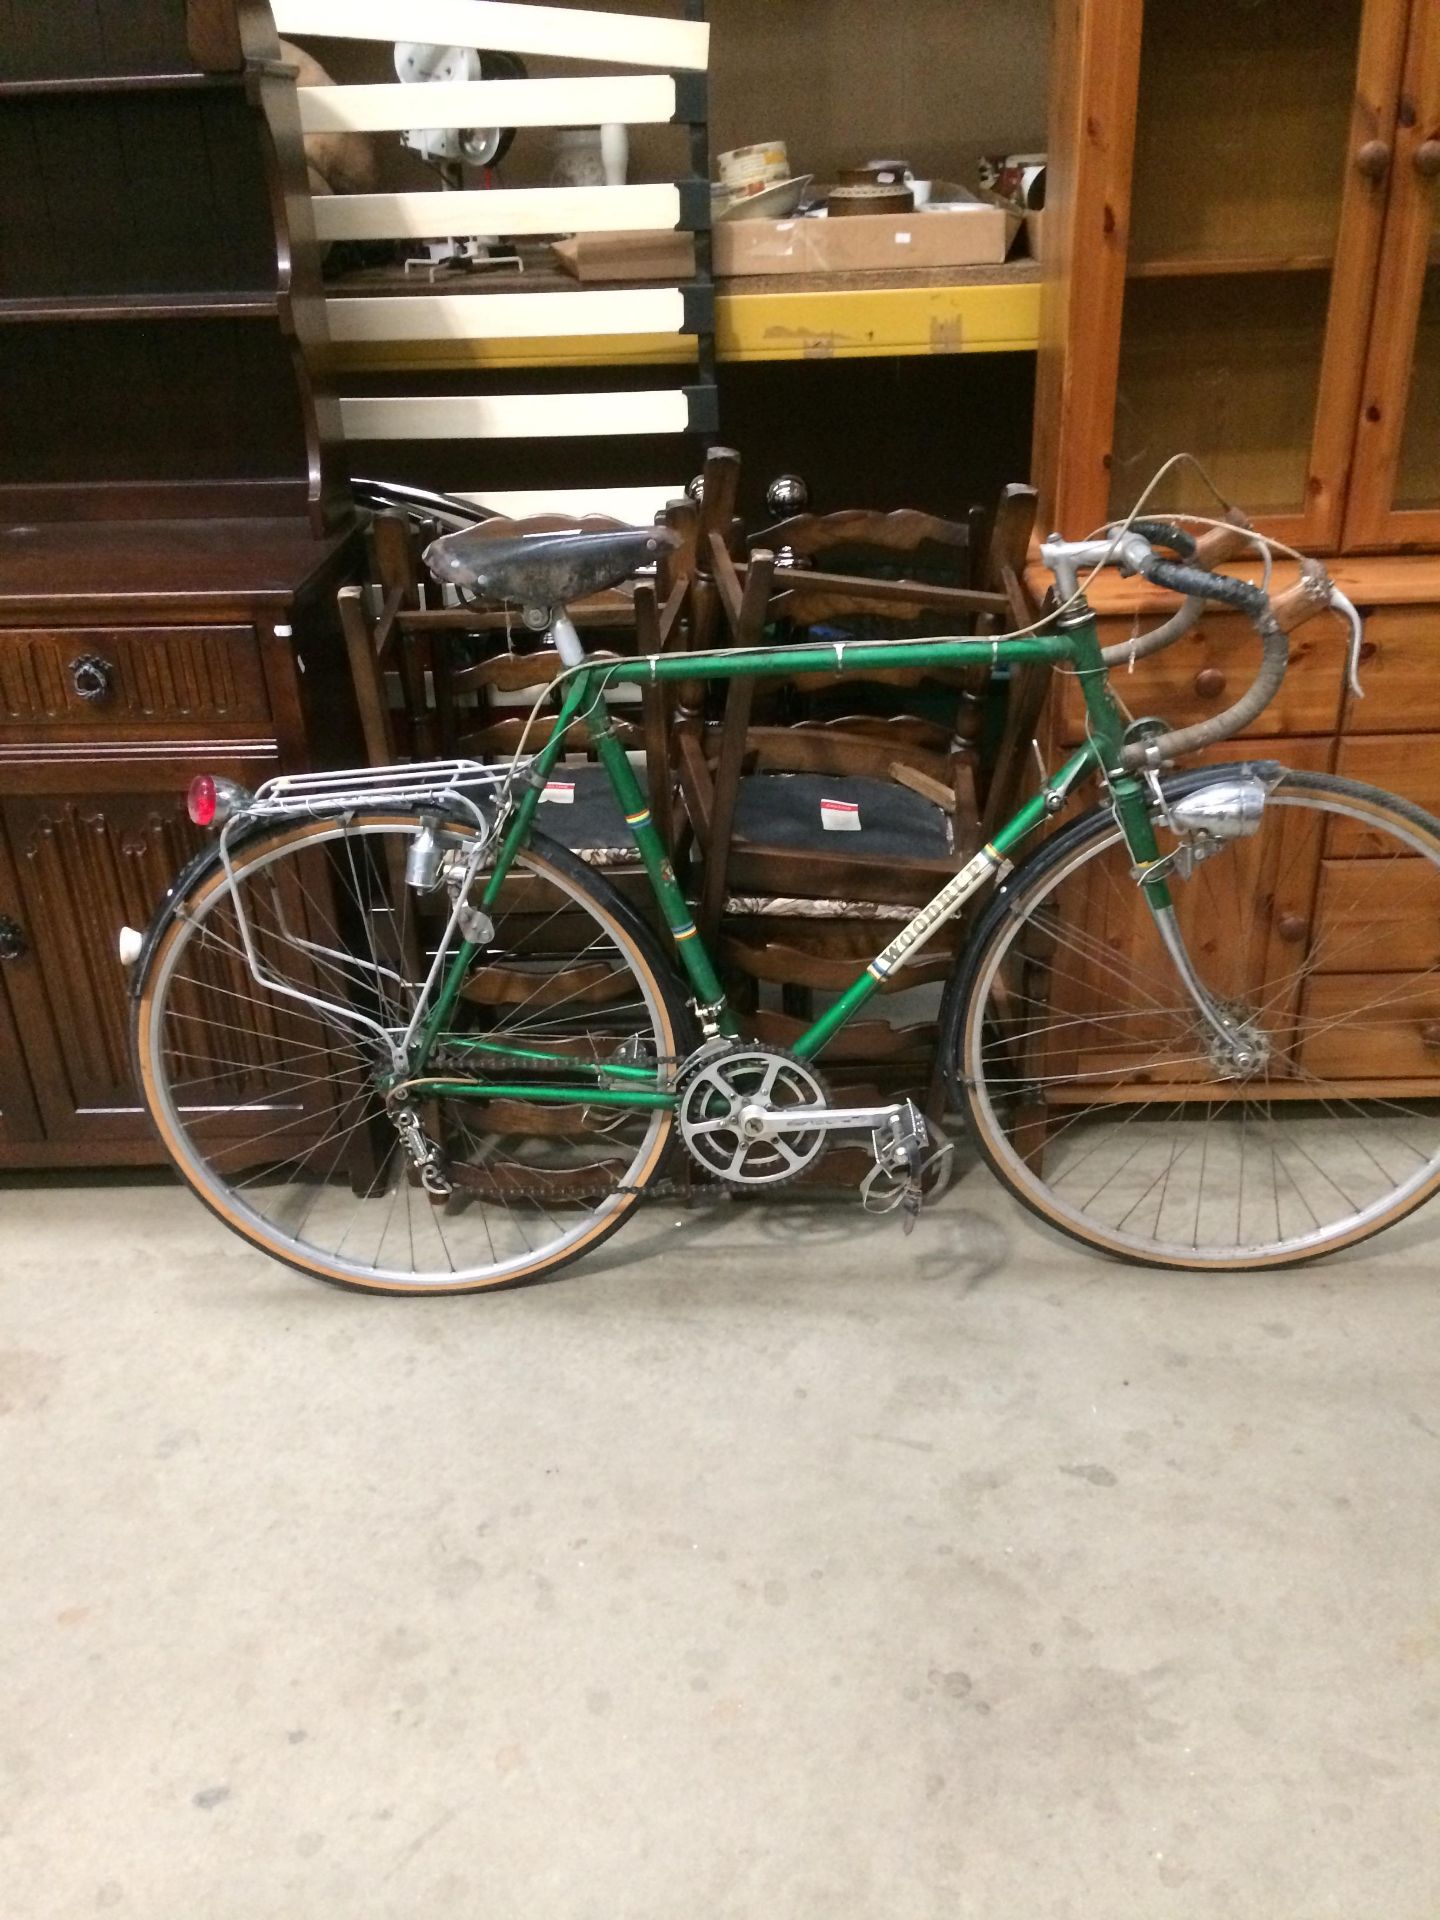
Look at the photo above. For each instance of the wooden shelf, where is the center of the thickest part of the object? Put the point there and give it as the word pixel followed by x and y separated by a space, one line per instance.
pixel 91 83
pixel 1198 265
pixel 140 306
pixel 777 317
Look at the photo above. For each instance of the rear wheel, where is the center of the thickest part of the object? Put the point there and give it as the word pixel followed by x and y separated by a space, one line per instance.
pixel 278 1100
pixel 1098 1094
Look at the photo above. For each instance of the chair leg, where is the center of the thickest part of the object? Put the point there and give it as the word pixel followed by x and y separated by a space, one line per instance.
pixel 797 1001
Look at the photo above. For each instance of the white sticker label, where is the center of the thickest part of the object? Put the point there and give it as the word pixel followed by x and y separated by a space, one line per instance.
pixel 902 239
pixel 560 793
pixel 840 816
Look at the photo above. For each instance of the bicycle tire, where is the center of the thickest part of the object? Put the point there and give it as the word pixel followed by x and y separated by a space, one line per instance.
pixel 284 863
pixel 1011 1113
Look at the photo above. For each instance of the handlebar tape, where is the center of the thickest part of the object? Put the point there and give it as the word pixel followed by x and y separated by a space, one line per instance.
pixel 1163 533
pixel 1213 586
pixel 1275 656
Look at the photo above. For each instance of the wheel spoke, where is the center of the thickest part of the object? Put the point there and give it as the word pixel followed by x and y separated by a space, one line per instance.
pixel 275 1106
pixel 1094 1079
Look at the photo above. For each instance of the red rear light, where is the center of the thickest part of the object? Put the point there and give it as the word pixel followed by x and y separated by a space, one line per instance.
pixel 200 801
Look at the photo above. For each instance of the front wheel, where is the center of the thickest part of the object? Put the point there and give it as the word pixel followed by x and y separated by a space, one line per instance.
pixel 273 1084
pixel 1099 1096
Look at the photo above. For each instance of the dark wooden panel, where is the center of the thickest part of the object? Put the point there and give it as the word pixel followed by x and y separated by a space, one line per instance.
pixel 88 864
pixel 166 676
pixel 55 573
pixel 194 400
pixel 19 1116
pixel 78 39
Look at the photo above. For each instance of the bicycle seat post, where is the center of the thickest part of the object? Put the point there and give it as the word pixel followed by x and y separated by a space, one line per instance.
pixel 567 640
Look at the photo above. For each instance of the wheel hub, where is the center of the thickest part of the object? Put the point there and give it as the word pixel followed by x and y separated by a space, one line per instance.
pixel 1245 1052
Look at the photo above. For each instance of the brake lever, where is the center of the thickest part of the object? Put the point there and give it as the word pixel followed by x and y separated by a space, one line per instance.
pixel 1344 605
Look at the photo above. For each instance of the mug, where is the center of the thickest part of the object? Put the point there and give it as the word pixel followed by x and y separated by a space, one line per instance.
pixel 1015 176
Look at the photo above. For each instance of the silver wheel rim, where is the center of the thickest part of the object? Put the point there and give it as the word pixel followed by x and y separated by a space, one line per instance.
pixel 1286 1248
pixel 588 1228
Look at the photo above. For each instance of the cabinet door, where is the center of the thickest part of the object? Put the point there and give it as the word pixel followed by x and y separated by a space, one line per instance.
pixel 87 867
pixel 1262 141
pixel 88 863
pixel 19 1116
pixel 1395 493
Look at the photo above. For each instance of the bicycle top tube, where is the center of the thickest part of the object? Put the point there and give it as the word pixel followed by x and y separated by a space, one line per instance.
pixel 832 656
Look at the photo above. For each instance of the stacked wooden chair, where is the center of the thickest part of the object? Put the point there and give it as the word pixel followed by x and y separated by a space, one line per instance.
pixel 795 908
pixel 737 771
pixel 441 681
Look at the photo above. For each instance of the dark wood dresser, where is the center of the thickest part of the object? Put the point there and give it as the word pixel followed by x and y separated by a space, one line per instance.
pixel 174 516
pixel 132 657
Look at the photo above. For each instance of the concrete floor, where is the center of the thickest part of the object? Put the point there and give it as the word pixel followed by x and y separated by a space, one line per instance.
pixel 780 1568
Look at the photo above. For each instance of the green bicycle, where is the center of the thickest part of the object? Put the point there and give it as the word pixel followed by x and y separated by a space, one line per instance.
pixel 394 1035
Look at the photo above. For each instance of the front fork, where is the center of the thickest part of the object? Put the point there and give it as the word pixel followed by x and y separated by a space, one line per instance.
pixel 1134 803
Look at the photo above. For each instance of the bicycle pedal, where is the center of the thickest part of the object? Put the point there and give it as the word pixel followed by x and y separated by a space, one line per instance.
pixel 913 1162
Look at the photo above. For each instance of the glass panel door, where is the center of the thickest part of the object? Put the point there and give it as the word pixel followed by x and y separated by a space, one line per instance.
pixel 1395 493
pixel 1417 484
pixel 1261 149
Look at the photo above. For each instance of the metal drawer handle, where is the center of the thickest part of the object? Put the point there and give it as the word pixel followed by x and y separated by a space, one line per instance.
pixel 92 677
pixel 12 938
pixel 1430 1034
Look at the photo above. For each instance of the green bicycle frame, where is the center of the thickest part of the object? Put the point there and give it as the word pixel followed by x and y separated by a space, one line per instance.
pixel 1074 645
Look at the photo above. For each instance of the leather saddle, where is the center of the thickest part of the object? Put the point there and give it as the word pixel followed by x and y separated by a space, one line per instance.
pixel 545 569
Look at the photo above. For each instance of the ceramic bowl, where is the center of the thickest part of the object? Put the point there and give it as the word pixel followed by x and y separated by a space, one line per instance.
pixel 771 203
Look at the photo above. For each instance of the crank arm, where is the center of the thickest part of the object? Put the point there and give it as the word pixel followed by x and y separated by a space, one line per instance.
pixel 757 1124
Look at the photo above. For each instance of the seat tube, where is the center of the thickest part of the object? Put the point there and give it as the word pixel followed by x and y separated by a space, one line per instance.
pixel 699 968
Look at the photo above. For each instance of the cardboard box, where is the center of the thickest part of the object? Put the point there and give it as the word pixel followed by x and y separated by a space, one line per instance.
pixel 627 256
pixel 967 235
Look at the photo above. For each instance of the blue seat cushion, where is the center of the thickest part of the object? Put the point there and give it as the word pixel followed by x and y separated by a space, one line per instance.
pixel 783 810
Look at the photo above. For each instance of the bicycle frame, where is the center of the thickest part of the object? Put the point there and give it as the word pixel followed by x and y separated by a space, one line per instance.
pixel 1073 645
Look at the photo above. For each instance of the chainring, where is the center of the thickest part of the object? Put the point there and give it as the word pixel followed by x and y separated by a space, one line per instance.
pixel 728 1084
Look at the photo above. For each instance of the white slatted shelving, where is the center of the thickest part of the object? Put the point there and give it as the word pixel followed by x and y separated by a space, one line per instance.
pixel 672 92
pixel 635 99
pixel 624 39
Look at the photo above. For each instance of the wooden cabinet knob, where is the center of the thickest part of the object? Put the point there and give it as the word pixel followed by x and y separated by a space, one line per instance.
pixel 1210 683
pixel 1292 927
pixel 1430 1034
pixel 1373 159
pixel 1427 159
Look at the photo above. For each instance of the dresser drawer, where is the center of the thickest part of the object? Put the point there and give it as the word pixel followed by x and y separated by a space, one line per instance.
pixel 1407 764
pixel 169 678
pixel 1375 913
pixel 1396 1038
pixel 1210 668
pixel 1400 673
